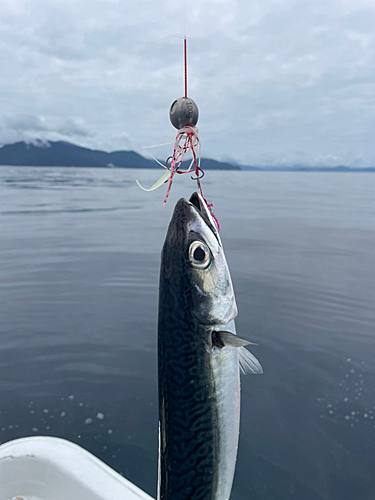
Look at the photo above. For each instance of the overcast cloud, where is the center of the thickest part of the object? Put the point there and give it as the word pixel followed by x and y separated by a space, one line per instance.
pixel 276 81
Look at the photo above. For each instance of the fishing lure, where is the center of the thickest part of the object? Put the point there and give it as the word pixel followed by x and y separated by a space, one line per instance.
pixel 184 116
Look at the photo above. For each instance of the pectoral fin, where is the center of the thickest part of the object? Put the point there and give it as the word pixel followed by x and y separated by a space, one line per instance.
pixel 224 338
pixel 248 362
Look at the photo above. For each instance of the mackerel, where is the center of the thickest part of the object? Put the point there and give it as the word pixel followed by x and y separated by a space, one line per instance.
pixel 199 360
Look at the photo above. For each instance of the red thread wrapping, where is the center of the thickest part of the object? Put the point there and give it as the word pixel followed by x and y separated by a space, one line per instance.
pixel 187 140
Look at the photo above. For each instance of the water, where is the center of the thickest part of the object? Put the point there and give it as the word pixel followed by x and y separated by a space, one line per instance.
pixel 78 305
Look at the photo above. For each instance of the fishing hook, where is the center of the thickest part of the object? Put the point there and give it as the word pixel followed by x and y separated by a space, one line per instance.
pixel 166 162
pixel 198 176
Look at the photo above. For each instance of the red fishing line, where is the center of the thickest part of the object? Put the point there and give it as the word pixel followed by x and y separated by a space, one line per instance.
pixel 185 66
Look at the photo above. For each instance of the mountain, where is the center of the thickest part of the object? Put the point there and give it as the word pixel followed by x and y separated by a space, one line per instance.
pixel 65 154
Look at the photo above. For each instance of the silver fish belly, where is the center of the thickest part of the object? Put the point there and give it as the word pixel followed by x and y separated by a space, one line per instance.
pixel 199 358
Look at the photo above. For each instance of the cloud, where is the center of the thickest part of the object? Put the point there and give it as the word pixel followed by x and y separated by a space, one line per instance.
pixel 72 128
pixel 276 81
pixel 26 123
pixel 30 128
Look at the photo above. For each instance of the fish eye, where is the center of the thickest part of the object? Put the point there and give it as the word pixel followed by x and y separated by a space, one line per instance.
pixel 199 255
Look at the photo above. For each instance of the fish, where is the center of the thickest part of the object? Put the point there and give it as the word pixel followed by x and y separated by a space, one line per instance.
pixel 199 360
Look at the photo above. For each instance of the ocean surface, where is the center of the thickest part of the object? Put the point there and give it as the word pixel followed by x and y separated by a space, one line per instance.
pixel 79 264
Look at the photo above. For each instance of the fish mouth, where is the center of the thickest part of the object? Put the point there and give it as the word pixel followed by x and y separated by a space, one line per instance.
pixel 196 200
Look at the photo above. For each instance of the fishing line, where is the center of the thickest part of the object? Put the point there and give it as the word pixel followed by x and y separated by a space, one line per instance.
pixel 158 145
pixel 185 65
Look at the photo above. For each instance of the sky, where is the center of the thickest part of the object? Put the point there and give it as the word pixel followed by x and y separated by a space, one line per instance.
pixel 277 82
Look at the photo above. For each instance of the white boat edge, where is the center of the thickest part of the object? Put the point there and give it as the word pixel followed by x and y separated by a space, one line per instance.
pixel 50 468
